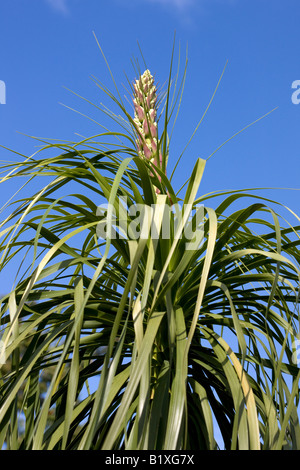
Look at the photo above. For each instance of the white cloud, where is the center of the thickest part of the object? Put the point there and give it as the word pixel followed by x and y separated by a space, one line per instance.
pixel 184 5
pixel 179 4
pixel 59 5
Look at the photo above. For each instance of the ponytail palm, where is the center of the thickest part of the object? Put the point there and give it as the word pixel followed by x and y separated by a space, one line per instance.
pixel 153 342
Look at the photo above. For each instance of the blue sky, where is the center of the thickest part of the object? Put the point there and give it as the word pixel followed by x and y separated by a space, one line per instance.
pixel 47 45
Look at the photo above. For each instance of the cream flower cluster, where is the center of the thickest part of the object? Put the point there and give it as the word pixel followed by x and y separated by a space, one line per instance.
pixel 145 115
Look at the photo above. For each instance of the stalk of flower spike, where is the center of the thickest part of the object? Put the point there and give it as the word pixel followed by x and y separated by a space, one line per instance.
pixel 145 114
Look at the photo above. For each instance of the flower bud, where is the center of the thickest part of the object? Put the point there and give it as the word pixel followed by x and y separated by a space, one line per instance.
pixel 144 101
